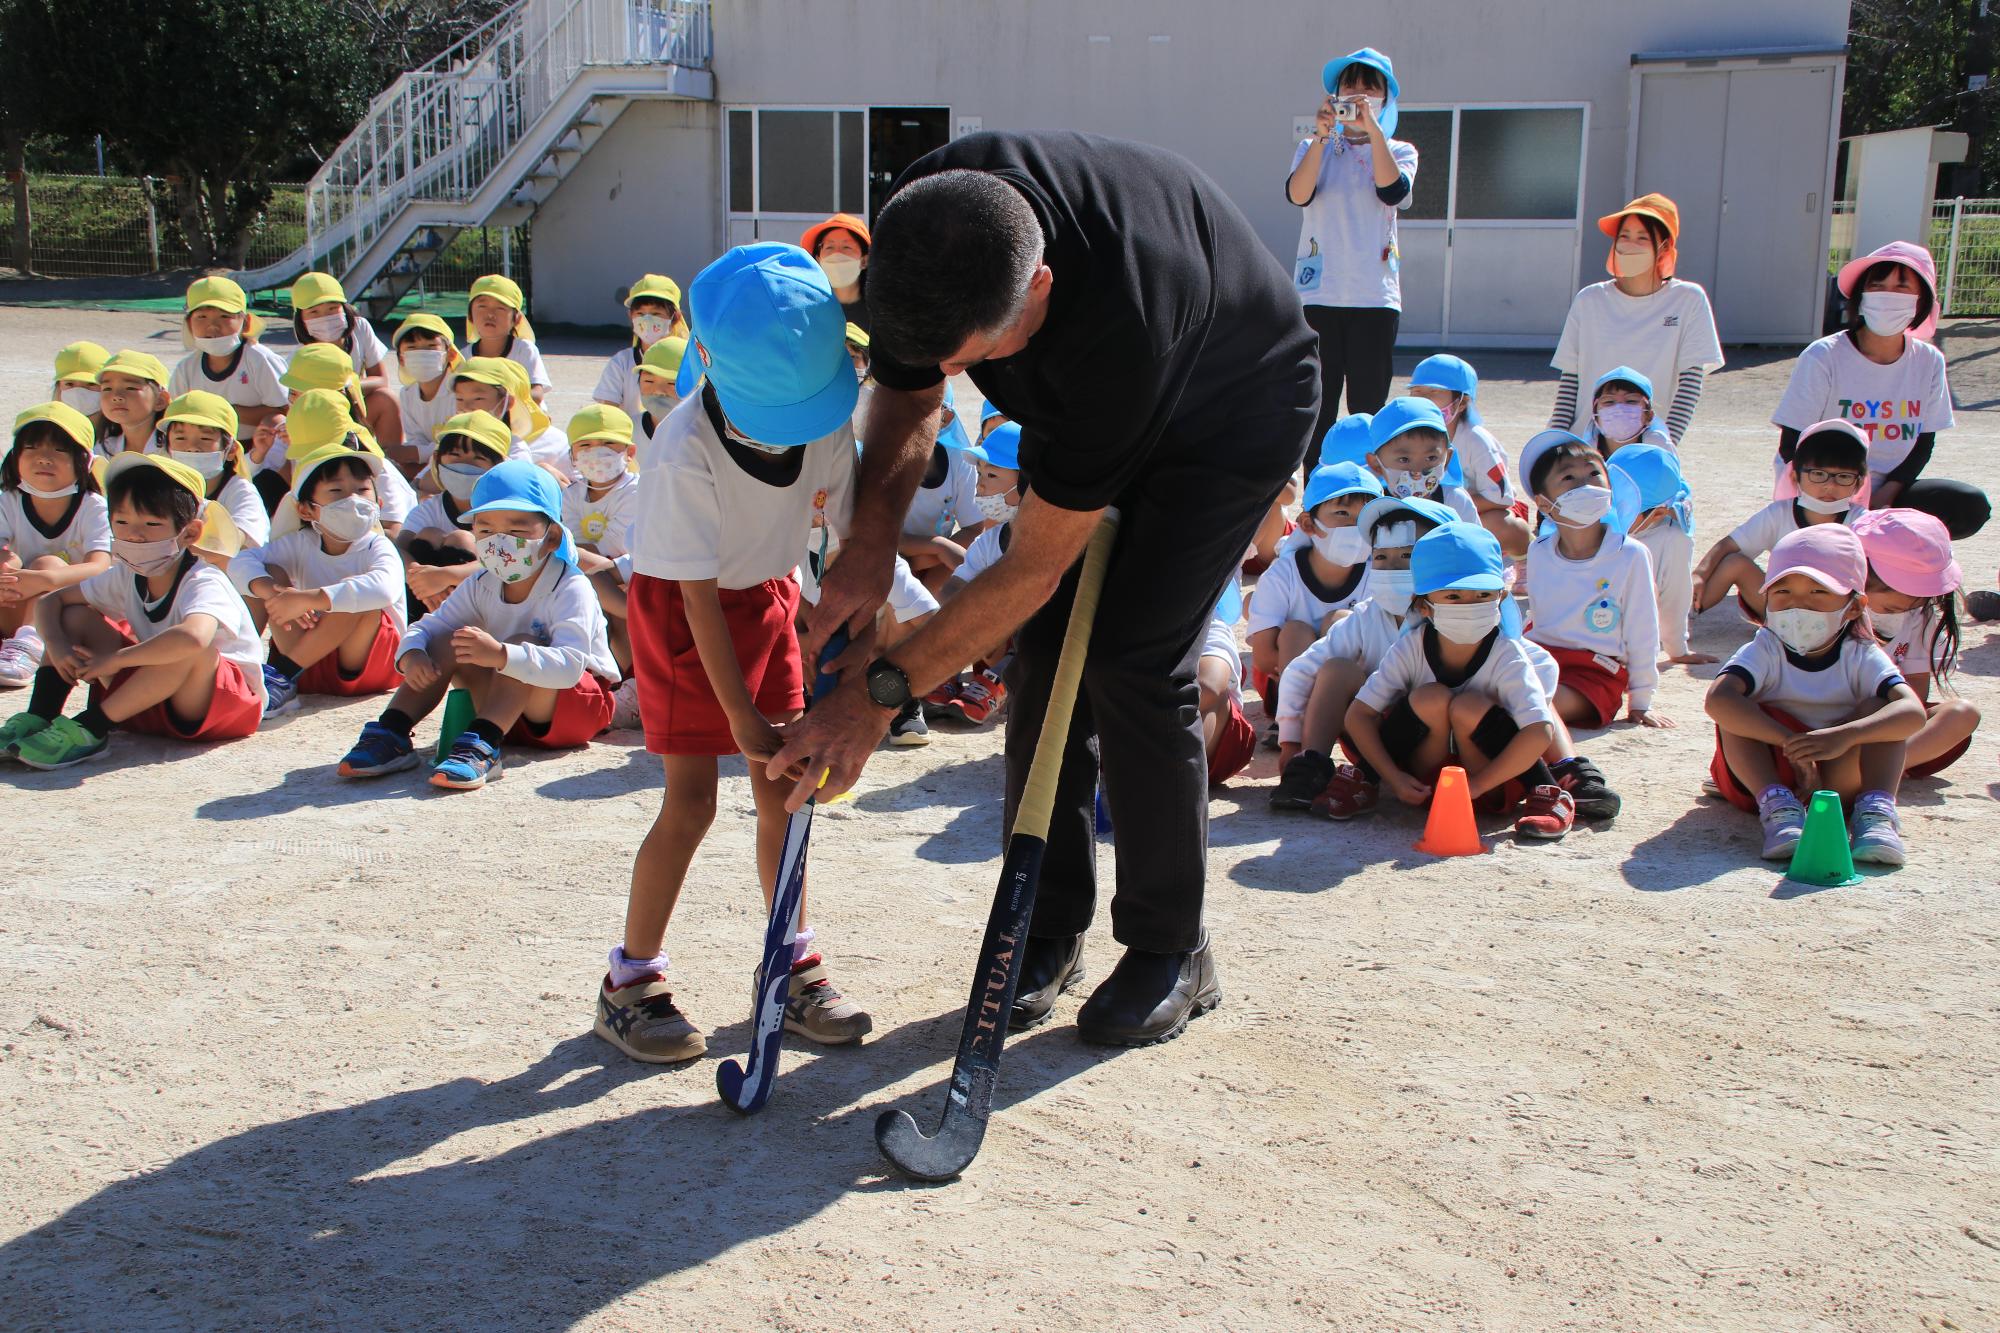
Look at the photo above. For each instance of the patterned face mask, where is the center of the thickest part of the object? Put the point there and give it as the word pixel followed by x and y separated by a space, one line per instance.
pixel 509 558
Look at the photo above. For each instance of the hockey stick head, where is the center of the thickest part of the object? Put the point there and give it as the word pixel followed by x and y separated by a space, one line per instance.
pixel 739 1093
pixel 925 1157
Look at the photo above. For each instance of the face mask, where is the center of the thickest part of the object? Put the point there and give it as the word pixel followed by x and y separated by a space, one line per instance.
pixel 147 558
pixel 1803 630
pixel 1390 589
pixel 208 464
pixel 994 508
pixel 509 558
pixel 1342 546
pixel 1812 506
pixel 773 449
pixel 348 518
pixel 1621 422
pixel 1584 505
pixel 657 405
pixel 219 346
pixel 424 364
pixel 649 329
pixel 85 401
pixel 1888 313
pixel 40 494
pixel 1409 485
pixel 1890 625
pixel 600 466
pixel 1465 622
pixel 458 479
pixel 1633 263
pixel 841 270
pixel 327 328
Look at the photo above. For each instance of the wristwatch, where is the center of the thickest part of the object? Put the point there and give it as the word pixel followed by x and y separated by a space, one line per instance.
pixel 888 686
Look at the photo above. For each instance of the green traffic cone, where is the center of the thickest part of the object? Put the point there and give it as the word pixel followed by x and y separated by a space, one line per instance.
pixel 459 714
pixel 1822 857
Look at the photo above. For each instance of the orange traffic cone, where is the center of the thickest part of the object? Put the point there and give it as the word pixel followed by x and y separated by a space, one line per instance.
pixel 1450 831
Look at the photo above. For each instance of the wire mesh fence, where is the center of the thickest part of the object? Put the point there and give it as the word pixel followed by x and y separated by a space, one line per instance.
pixel 1964 240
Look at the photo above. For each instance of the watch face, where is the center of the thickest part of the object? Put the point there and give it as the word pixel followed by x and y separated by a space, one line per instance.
pixel 888 686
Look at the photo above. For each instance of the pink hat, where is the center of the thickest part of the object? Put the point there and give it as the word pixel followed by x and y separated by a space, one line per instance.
pixel 1909 550
pixel 1913 257
pixel 1786 486
pixel 1827 553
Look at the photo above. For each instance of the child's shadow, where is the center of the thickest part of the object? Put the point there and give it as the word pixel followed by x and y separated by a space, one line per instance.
pixel 641 771
pixel 1666 862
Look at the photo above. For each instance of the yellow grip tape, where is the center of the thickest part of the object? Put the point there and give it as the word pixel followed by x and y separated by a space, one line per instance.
pixel 1038 797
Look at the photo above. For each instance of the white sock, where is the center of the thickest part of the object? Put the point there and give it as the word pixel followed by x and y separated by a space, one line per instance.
pixel 802 944
pixel 625 971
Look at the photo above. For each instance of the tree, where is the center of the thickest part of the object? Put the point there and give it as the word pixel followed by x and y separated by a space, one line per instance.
pixel 1911 63
pixel 20 91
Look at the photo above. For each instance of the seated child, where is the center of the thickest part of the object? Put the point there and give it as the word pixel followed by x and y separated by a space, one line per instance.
pixel 653 306
pixel 1829 470
pixel 436 540
pixel 1590 588
pixel 658 394
pixel 1912 585
pixel 598 509
pixel 1319 572
pixel 132 390
pixel 1621 413
pixel 200 429
pixel 225 356
pixel 1665 527
pixel 189 665
pixel 321 314
pixel 1410 451
pixel 523 635
pixel 945 504
pixel 991 418
pixel 496 325
pixel 1228 740
pixel 323 366
pixel 1451 383
pixel 976 696
pixel 741 472
pixel 75 385
pixel 54 529
pixel 333 590
pixel 1463 685
pixel 424 360
pixel 1812 703
pixel 500 387
pixel 320 417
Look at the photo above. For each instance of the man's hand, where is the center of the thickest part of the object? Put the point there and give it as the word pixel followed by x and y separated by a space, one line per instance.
pixel 473 646
pixel 855 588
pixel 835 738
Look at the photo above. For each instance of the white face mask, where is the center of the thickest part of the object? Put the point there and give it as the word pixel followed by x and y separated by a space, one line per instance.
pixel 1805 631
pixel 841 270
pixel 1342 546
pixel 40 494
pixel 348 518
pixel 458 479
pixel 1888 313
pixel 221 345
pixel 1465 622
pixel 657 405
pixel 649 329
pixel 327 328
pixel 1412 485
pixel 509 558
pixel 1583 506
pixel 1814 506
pixel 1634 262
pixel 208 464
pixel 600 466
pixel 1390 589
pixel 85 401
pixel 1621 422
pixel 1890 625
pixel 994 508
pixel 147 558
pixel 424 364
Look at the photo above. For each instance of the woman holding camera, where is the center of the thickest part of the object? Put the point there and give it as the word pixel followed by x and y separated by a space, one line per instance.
pixel 1349 179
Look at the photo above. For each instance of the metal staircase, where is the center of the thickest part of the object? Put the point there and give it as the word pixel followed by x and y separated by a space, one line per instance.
pixel 485 133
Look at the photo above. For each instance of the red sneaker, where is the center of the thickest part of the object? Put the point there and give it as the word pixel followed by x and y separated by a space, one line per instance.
pixel 980 698
pixel 1350 793
pixel 938 703
pixel 1547 814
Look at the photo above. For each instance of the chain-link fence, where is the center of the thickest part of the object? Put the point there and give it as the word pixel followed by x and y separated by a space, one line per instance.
pixel 1965 242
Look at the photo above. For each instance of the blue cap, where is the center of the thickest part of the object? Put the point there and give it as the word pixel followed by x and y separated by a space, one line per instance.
pixel 1399 416
pixel 988 412
pixel 1445 371
pixel 519 484
pixel 1229 607
pixel 1375 60
pixel 771 337
pixel 953 436
pixel 1457 555
pixel 1430 511
pixel 1540 443
pixel 1002 448
pixel 1347 440
pixel 1655 473
pixel 1629 376
pixel 1331 480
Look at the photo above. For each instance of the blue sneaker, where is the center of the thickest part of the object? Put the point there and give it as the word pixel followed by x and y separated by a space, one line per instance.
pixel 281 695
pixel 471 764
pixel 379 750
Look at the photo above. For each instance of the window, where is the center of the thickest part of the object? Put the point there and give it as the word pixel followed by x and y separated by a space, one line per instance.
pixel 1512 164
pixel 803 161
pixel 1429 132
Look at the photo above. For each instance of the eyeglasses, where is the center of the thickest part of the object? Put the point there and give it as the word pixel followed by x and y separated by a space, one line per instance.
pixel 1820 476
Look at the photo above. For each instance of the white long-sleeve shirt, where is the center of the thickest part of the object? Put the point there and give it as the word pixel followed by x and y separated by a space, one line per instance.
pixel 553 636
pixel 367 576
pixel 1363 636
pixel 1603 605
pixel 603 524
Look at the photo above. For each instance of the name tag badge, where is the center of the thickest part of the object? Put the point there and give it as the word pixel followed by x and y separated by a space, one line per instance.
pixel 1306 270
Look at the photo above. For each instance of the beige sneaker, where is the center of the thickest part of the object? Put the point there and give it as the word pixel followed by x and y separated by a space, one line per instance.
pixel 642 1020
pixel 818 1012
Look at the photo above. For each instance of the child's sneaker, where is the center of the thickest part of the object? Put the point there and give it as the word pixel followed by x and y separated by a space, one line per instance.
pixel 938 703
pixel 815 1010
pixel 281 693
pixel 1547 813
pixel 625 706
pixel 20 658
pixel 17 729
pixel 1348 793
pixel 1878 830
pixel 980 698
pixel 379 750
pixel 1304 778
pixel 643 1021
pixel 471 764
pixel 1784 821
pixel 908 727
pixel 1586 786
pixel 61 743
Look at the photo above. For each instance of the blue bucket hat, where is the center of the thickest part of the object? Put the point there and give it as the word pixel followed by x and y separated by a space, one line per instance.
pixel 1229 607
pixel 1430 511
pixel 771 337
pixel 1347 440
pixel 953 436
pixel 1399 416
pixel 1625 506
pixel 1450 372
pixel 988 412
pixel 1375 60
pixel 1628 376
pixel 1654 472
pixel 1002 448
pixel 1457 555
pixel 1540 443
pixel 519 484
pixel 1332 480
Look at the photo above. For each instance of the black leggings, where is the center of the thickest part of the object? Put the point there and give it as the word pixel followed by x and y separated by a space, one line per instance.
pixel 1962 507
pixel 1356 348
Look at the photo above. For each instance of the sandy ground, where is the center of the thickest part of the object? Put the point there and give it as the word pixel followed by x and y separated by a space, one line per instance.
pixel 275 1047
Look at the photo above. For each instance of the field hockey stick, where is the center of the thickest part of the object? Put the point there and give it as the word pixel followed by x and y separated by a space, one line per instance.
pixel 969 1101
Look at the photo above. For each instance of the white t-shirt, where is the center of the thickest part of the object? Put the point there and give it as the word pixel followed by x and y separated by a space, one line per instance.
pixel 429 515
pixel 552 637
pixel 1659 336
pixel 982 552
pixel 1758 533
pixel 1363 636
pixel 603 524
pixel 1518 674
pixel 1350 230
pixel 908 597
pixel 88 529
pixel 940 510
pixel 525 352
pixel 1484 464
pixel 251 382
pixel 702 516
pixel 1219 641
pixel 423 418
pixel 246 508
pixel 619 384
pixel 368 351
pixel 367 576
pixel 1282 594
pixel 1892 405
pixel 1604 605
pixel 1819 694
pixel 1910 651
pixel 204 590
pixel 551 449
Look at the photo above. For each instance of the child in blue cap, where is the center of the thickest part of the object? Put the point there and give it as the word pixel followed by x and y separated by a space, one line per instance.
pixel 1410 450
pixel 1476 692
pixel 760 448
pixel 977 695
pixel 943 514
pixel 1452 385
pixel 1665 527
pixel 525 635
pixel 1621 413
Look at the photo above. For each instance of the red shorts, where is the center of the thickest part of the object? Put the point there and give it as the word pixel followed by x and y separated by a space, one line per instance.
pixel 682 714
pixel 377 674
pixel 234 710
pixel 1585 672
pixel 1235 746
pixel 1732 789
pixel 583 712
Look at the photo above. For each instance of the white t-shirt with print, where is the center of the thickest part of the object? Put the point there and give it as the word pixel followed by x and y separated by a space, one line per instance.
pixel 1350 230
pixel 1282 594
pixel 1519 675
pixel 251 382
pixel 1604 605
pixel 1659 336
pixel 1818 698
pixel 204 590
pixel 1483 463
pixel 1892 405
pixel 603 524
pixel 1910 651
pixel 367 576
pixel 88 530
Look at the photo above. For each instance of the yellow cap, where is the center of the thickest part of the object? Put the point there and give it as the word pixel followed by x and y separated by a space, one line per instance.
pixel 64 418
pixel 654 287
pixel 318 366
pixel 316 289
pixel 504 290
pixel 303 468
pixel 139 365
pixel 424 322
pixel 219 532
pixel 80 362
pixel 219 292
pixel 663 358
pixel 201 408
pixel 858 336
pixel 600 421
pixel 486 370
pixel 483 429
pixel 167 463
pixel 320 417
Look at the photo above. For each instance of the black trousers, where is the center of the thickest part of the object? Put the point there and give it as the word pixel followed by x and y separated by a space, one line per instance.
pixel 1183 528
pixel 1356 350
pixel 1962 507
